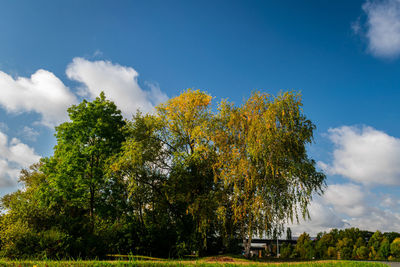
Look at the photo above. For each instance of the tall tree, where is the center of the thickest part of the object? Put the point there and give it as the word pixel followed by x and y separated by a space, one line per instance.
pixel 168 159
pixel 262 157
pixel 76 171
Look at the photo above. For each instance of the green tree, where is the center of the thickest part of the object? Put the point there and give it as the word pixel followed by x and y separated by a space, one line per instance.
pixel 384 250
pixel 362 253
pixel 167 159
pixel 357 252
pixel 374 243
pixel 322 245
pixel 286 250
pixel 395 248
pixel 262 158
pixel 289 233
pixel 345 248
pixel 304 247
pixel 26 228
pixel 331 253
pixel 76 172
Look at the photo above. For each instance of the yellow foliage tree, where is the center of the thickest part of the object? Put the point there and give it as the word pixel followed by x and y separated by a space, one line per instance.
pixel 262 158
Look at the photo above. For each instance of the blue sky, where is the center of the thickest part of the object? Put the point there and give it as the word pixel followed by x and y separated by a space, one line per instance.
pixel 342 55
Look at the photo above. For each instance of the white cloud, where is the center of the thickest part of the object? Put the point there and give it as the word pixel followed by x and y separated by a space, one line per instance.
pixel 365 155
pixel 377 219
pixel 346 198
pixel 323 218
pixel 42 93
pixel 119 83
pixel 389 202
pixel 383 27
pixel 45 94
pixel 14 155
pixel 349 205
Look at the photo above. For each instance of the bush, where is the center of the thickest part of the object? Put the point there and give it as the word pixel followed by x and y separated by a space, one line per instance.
pixel 19 241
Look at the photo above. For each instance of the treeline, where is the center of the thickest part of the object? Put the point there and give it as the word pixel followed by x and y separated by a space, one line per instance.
pixel 181 180
pixel 350 243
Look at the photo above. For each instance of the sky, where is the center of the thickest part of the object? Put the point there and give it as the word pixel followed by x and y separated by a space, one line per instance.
pixel 343 56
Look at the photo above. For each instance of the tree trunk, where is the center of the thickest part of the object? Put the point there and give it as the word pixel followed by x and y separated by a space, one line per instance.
pixel 91 203
pixel 247 246
pixel 247 242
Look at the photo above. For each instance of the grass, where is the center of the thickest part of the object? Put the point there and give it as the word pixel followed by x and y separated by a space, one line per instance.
pixel 204 262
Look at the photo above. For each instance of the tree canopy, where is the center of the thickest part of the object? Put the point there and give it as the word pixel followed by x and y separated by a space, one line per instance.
pixel 167 183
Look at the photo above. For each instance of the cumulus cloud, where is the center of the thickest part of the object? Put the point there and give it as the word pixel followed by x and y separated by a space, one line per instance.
pixel 42 93
pixel 346 198
pixel 45 94
pixel 14 155
pixel 119 83
pixel 377 219
pixel 349 205
pixel 382 27
pixel 365 155
pixel 322 218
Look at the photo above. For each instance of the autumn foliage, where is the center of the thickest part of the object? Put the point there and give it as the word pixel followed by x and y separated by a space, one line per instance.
pixel 182 179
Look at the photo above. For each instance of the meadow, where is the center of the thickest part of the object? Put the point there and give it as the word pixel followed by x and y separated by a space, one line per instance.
pixel 204 262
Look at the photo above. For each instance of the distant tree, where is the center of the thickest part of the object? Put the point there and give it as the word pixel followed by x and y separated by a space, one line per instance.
pixel 304 247
pixel 356 249
pixel 331 253
pixel 286 250
pixel 362 253
pixel 262 158
pixel 374 243
pixel 391 236
pixel 384 250
pixel 345 248
pixel 289 233
pixel 322 245
pixel 395 248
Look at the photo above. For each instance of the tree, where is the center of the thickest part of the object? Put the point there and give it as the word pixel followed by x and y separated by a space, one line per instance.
pixel 345 248
pixel 262 159
pixel 395 248
pixel 322 245
pixel 384 250
pixel 358 253
pixel 331 253
pixel 362 253
pixel 374 243
pixel 167 159
pixel 28 229
pixel 289 233
pixel 286 250
pixel 76 173
pixel 304 247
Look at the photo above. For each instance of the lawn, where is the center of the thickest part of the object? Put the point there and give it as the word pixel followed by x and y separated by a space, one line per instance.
pixel 204 262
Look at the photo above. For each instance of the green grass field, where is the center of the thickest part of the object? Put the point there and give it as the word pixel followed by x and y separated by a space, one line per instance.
pixel 205 262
